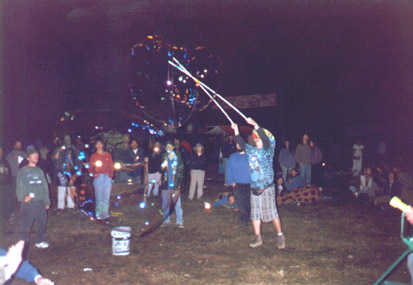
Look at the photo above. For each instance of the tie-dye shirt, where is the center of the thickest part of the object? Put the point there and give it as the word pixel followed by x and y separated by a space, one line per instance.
pixel 260 160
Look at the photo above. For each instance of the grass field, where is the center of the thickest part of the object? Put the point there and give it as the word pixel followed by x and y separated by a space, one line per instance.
pixel 337 241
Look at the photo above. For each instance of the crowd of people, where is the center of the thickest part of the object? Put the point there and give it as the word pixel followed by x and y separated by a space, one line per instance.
pixel 253 188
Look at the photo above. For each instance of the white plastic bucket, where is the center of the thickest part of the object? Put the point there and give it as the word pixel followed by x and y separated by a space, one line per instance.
pixel 121 240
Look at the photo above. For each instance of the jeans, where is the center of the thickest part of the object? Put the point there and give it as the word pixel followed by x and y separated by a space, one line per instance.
pixel 242 194
pixel 285 171
pixel 305 172
pixel 30 212
pixel 197 178
pixel 103 186
pixel 168 206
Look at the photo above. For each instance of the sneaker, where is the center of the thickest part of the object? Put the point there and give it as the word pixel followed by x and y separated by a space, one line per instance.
pixel 281 242
pixel 42 244
pixel 256 242
pixel 181 226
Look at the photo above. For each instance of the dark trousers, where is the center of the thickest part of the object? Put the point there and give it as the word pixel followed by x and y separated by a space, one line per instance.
pixel 33 211
pixel 317 174
pixel 242 194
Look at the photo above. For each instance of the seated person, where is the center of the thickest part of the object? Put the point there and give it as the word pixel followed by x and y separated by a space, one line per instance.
pixel 366 184
pixel 392 186
pixel 227 200
pixel 294 180
pixel 280 185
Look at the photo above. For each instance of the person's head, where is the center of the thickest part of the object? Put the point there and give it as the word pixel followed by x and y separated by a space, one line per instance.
pixel 32 156
pixel 287 144
pixel 157 147
pixel 126 139
pixel 230 138
pixel 391 177
pixel 379 170
pixel 231 199
pixel 257 139
pixel 134 144
pixel 169 147
pixel 177 142
pixel 311 143
pixel 199 148
pixel 396 170
pixel 293 172
pixel 280 181
pixel 304 139
pixel 67 140
pixel 18 145
pixel 100 145
pixel 367 170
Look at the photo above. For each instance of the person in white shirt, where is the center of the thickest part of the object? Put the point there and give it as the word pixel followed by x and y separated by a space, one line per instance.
pixel 358 149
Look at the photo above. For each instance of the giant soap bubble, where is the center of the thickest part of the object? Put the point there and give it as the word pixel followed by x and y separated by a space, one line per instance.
pixel 162 93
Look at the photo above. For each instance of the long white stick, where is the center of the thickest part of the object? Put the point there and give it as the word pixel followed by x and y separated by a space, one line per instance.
pixel 204 89
pixel 184 70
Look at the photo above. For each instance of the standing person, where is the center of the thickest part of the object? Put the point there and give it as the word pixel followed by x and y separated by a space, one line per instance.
pixel 286 159
pixel 101 166
pixel 33 194
pixel 303 158
pixel 122 155
pixel 137 156
pixel 358 149
pixel 228 148
pixel 239 178
pixel 198 165
pixel 183 148
pixel 68 167
pixel 14 158
pixel 6 190
pixel 260 158
pixel 172 184
pixel 154 167
pixel 317 171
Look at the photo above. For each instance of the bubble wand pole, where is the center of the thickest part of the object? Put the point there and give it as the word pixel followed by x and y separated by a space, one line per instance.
pixel 204 89
pixel 184 70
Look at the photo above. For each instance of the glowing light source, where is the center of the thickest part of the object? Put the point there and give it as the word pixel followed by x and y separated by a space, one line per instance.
pixel 142 205
pixel 207 205
pixel 98 163
pixel 117 165
pixel 147 223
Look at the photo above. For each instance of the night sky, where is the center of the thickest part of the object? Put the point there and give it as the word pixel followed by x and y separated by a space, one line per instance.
pixel 332 63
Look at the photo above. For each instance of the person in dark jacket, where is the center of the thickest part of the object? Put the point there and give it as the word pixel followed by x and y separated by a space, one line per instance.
pixel 286 159
pixel 154 168
pixel 172 182
pixel 137 155
pixel 198 165
pixel 317 170
pixel 392 187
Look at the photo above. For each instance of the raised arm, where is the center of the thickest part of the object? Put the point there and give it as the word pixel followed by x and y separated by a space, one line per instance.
pixel 238 138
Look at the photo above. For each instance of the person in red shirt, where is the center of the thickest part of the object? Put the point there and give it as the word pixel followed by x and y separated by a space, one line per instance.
pixel 102 168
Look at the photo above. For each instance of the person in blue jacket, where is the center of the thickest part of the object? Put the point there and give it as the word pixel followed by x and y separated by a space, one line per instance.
pixel 238 176
pixel 226 200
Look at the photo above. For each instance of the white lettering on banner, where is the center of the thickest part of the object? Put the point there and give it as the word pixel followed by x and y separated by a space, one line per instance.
pixel 250 101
